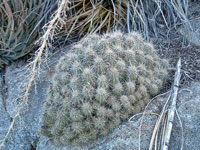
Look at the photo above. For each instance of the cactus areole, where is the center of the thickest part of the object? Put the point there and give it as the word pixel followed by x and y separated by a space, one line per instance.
pixel 98 84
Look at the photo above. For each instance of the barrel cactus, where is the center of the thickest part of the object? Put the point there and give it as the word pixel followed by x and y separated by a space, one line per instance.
pixel 98 84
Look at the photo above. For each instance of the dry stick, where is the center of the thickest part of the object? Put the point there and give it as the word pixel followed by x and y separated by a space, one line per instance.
pixel 142 118
pixel 158 122
pixel 161 117
pixel 171 111
pixel 36 62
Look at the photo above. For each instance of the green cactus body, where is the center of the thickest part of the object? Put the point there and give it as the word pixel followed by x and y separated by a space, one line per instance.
pixel 101 82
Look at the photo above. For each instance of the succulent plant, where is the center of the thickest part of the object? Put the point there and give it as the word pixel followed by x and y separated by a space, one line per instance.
pixel 98 84
pixel 20 24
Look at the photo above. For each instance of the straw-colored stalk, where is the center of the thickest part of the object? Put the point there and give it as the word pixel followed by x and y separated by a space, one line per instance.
pixel 172 109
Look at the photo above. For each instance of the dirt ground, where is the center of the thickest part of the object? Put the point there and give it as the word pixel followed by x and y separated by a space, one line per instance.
pixel 190 59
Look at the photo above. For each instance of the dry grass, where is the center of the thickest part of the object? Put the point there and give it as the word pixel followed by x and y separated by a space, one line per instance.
pixel 21 21
pixel 152 18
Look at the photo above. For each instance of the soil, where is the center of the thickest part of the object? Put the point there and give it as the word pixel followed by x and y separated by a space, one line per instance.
pixel 177 48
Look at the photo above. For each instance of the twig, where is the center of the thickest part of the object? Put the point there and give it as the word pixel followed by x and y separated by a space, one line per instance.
pixel 172 110
pixel 143 114
pixel 158 122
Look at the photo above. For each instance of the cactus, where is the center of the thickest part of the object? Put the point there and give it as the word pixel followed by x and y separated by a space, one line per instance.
pixel 101 82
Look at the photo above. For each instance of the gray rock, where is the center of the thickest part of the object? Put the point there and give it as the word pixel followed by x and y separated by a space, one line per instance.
pixel 4 116
pixel 189 110
pixel 25 130
pixel 126 136
pixel 25 135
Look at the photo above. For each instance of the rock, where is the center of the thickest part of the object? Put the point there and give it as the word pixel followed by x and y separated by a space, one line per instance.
pixel 189 110
pixel 25 130
pixel 126 136
pixel 25 135
pixel 192 33
pixel 5 118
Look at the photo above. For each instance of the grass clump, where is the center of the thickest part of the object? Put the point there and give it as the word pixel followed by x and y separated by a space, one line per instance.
pixel 150 17
pixel 20 24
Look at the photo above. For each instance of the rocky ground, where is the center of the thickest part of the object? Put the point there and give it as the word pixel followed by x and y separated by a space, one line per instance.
pixel 25 136
pixel 25 132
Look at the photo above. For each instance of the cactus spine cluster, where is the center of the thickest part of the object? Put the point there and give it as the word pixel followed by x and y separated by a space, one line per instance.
pixel 98 84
